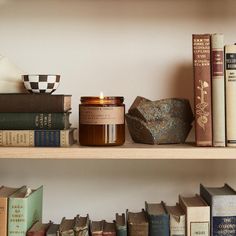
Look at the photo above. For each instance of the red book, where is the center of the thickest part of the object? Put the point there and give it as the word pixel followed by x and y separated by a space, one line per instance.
pixel 38 229
pixel 202 89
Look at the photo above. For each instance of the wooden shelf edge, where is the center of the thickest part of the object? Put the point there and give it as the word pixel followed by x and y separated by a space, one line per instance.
pixel 126 152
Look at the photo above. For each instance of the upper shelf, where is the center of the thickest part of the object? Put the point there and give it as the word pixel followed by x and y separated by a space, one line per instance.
pixel 127 151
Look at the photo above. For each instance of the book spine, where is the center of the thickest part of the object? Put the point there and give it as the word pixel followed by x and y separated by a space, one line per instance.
pixel 34 138
pixel 121 231
pixel 32 103
pixel 138 230
pixel 159 225
pixel 177 227
pixel 33 121
pixel 223 216
pixel 17 217
pixel 218 90
pixel 230 77
pixel 3 216
pixel 202 89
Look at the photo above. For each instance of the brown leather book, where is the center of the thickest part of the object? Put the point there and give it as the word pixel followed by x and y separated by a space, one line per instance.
pixel 202 89
pixel 137 223
pixel 34 103
pixel 109 229
pixel 81 227
pixel 5 192
pixel 97 228
pixel 66 227
pixel 38 229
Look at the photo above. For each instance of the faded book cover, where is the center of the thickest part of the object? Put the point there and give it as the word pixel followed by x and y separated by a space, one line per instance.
pixel 230 77
pixel 197 215
pixel 218 90
pixel 5 193
pixel 202 89
pixel 223 209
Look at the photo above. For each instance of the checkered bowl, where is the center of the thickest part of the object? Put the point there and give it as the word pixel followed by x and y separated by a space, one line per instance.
pixel 41 83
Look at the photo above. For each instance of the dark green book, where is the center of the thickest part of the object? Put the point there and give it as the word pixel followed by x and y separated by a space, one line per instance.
pixel 34 121
pixel 121 228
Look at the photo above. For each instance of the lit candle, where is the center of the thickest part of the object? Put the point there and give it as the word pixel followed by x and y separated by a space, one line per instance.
pixel 101 121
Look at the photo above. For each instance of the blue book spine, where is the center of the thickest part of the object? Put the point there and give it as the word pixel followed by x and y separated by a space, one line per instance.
pixel 159 225
pixel 224 226
pixel 47 138
pixel 121 232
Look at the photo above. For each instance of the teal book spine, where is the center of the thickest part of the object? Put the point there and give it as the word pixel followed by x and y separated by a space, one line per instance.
pixel 159 225
pixel 34 121
pixel 121 231
pixel 24 212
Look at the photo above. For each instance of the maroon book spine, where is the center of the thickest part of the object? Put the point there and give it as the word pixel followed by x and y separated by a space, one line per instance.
pixel 202 89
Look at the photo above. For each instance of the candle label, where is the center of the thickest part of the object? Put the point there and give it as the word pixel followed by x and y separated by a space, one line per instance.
pixel 101 115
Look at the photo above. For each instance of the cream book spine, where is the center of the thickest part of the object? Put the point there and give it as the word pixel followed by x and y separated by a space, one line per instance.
pixel 230 76
pixel 218 90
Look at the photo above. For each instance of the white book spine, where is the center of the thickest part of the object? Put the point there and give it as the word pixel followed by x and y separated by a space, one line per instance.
pixel 218 90
pixel 230 76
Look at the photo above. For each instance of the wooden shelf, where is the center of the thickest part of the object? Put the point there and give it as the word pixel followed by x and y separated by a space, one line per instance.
pixel 127 151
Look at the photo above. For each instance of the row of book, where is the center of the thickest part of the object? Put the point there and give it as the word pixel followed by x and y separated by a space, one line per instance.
pixel 40 120
pixel 214 66
pixel 213 212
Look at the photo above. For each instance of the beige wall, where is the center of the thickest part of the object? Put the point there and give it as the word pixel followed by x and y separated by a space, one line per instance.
pixel 120 47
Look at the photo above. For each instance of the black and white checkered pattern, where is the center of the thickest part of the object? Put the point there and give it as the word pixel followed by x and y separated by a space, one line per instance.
pixel 41 83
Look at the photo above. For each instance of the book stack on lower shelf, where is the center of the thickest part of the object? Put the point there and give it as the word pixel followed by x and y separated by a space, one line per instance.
pixel 35 120
pixel 213 212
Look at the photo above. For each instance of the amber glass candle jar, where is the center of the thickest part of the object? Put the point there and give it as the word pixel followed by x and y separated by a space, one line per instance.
pixel 101 121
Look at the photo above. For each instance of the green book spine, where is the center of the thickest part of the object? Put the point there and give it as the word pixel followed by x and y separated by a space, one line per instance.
pixel 121 231
pixel 24 212
pixel 34 121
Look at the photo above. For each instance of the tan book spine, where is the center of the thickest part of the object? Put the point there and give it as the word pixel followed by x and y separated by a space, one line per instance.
pixel 218 90
pixel 202 89
pixel 230 77
pixel 3 216
pixel 177 225
pixel 36 138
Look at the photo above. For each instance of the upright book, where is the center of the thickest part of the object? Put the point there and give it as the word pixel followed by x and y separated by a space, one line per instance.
pixel 66 227
pixel 230 77
pixel 5 193
pixel 81 227
pixel 202 89
pixel 96 228
pixel 158 219
pixel 53 230
pixel 37 138
pixel 34 121
pixel 21 102
pixel 109 229
pixel 137 223
pixel 218 90
pixel 197 215
pixel 223 209
pixel 25 208
pixel 121 228
pixel 177 220
pixel 38 229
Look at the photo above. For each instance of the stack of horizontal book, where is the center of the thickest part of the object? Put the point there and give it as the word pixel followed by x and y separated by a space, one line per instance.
pixel 35 120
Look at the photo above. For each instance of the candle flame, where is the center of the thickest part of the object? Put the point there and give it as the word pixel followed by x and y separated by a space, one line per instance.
pixel 101 95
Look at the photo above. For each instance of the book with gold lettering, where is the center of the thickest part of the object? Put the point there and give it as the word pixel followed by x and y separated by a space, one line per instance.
pixel 202 89
pixel 37 138
pixel 34 121
pixel 5 193
pixel 25 208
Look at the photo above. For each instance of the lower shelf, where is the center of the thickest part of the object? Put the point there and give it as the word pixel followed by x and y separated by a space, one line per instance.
pixel 127 151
